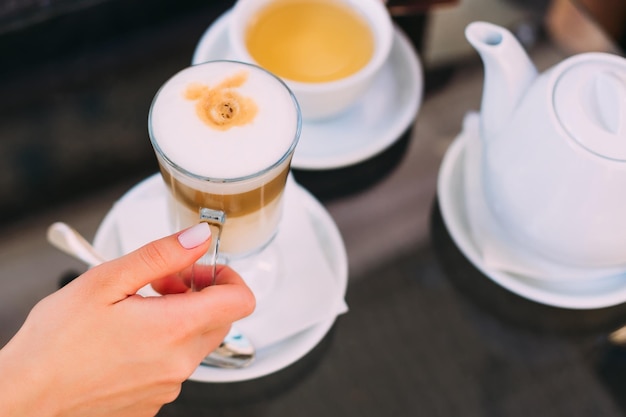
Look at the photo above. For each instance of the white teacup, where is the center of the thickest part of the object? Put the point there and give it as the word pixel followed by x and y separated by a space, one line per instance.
pixel 330 74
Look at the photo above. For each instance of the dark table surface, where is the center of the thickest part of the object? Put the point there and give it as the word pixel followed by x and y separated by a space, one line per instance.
pixel 427 334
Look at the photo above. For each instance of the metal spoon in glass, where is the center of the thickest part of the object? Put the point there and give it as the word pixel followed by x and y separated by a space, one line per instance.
pixel 236 351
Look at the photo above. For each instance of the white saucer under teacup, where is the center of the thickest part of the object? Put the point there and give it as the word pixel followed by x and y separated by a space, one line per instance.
pixel 376 122
pixel 469 223
pixel 311 289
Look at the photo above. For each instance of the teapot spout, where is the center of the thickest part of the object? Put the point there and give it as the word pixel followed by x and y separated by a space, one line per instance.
pixel 508 74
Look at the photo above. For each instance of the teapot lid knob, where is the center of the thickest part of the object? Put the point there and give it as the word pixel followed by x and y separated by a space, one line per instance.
pixel 590 103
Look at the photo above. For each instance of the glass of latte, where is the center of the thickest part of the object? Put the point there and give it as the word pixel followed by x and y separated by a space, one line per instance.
pixel 224 133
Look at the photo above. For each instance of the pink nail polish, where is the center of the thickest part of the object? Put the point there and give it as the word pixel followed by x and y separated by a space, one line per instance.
pixel 195 236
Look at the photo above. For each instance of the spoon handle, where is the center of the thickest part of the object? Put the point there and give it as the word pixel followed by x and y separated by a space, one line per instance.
pixel 65 238
pixel 618 337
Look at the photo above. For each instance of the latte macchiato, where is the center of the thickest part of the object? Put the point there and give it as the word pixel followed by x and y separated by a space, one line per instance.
pixel 224 133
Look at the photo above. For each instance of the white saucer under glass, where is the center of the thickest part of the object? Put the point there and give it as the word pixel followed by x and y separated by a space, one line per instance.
pixel 376 122
pixel 276 356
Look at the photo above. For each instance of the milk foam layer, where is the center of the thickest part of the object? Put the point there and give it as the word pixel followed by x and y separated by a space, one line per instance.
pixel 190 143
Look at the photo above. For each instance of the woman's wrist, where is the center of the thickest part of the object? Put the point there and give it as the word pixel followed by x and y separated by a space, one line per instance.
pixel 23 388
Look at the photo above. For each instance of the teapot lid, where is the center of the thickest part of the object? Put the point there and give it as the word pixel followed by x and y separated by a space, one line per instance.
pixel 590 103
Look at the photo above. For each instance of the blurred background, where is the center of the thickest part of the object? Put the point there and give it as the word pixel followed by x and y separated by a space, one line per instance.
pixel 77 76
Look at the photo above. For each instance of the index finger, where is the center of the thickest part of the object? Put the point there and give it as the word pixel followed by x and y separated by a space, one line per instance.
pixel 124 276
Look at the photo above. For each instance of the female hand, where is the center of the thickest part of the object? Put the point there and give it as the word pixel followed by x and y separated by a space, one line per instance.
pixel 95 348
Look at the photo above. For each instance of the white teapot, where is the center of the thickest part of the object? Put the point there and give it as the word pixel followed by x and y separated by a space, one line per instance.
pixel 554 150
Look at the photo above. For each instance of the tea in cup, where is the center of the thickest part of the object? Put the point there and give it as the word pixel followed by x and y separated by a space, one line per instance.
pixel 224 133
pixel 327 51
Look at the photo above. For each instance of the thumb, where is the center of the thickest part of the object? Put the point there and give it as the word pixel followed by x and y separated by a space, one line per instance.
pixel 124 276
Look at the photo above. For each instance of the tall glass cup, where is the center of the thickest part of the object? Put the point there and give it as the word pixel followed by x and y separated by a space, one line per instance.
pixel 224 133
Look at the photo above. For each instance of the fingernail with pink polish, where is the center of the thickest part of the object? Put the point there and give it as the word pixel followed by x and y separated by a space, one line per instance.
pixel 195 236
